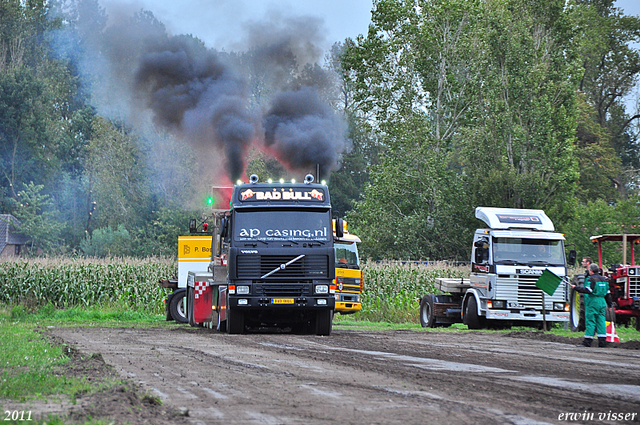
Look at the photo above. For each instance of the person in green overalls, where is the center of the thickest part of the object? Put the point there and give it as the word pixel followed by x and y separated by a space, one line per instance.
pixel 595 290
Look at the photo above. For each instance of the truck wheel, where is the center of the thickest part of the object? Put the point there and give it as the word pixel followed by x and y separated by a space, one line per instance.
pixel 427 319
pixel 576 311
pixel 324 322
pixel 235 321
pixel 177 308
pixel 471 318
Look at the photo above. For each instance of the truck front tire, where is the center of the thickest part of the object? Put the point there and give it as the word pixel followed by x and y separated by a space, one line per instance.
pixel 471 318
pixel 176 306
pixel 235 321
pixel 427 318
pixel 324 322
pixel 576 311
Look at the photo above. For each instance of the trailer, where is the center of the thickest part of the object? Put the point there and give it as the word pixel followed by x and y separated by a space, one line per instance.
pixel 507 259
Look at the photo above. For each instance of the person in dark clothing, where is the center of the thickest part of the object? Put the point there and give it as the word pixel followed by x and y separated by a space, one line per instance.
pixel 595 290
pixel 586 262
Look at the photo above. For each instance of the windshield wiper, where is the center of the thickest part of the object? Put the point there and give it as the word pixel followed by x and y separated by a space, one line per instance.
pixel 510 263
pixel 540 263
pixel 254 244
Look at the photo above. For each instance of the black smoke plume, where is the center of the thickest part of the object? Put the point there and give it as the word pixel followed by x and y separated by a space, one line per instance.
pixel 304 131
pixel 133 67
pixel 192 90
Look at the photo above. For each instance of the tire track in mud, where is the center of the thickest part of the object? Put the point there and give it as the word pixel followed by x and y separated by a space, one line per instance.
pixel 358 377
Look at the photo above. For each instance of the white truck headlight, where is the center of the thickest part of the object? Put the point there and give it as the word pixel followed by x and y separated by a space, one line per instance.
pixel 322 289
pixel 242 290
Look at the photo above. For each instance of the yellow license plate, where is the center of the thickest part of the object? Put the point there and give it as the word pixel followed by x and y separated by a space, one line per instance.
pixel 281 300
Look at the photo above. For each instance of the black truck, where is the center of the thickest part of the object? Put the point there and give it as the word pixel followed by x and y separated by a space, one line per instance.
pixel 272 261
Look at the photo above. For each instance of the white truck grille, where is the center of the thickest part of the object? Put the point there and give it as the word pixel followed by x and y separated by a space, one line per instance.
pixel 524 291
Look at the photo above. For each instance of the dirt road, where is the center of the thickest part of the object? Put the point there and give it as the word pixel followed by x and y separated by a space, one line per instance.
pixel 386 377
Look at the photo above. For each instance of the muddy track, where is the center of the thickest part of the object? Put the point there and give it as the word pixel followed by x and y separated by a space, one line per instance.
pixel 356 377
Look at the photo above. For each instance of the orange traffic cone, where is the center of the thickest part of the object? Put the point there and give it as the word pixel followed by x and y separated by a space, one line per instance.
pixel 612 336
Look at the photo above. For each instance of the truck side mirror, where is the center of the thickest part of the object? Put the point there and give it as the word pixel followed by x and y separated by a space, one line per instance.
pixel 339 228
pixel 572 257
pixel 479 255
pixel 224 228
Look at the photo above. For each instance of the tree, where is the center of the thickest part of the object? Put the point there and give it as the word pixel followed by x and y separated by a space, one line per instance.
pixel 37 219
pixel 599 164
pixel 518 145
pixel 412 78
pixel 115 178
pixel 604 41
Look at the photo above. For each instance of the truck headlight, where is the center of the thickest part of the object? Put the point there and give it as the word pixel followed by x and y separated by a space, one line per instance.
pixel 632 272
pixel 496 304
pixel 243 301
pixel 322 302
pixel 322 289
pixel 242 290
pixel 558 306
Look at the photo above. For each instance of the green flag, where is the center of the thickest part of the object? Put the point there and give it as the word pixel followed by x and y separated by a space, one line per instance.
pixel 548 281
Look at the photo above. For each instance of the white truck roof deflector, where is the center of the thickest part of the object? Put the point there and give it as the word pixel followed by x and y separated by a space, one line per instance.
pixel 514 218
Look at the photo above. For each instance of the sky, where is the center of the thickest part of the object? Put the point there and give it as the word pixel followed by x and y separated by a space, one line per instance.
pixel 219 22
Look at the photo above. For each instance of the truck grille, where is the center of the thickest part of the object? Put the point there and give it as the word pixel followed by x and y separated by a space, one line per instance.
pixel 308 267
pixel 528 293
pixel 525 292
pixel 282 290
pixel 348 284
pixel 634 286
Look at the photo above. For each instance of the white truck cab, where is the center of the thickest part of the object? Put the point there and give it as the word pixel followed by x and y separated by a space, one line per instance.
pixel 507 259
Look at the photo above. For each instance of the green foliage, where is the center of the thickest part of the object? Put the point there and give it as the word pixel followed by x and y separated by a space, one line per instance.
pixel 599 218
pixel 67 283
pixel 115 177
pixel 600 167
pixel 106 242
pixel 392 291
pixel 518 150
pixel 37 220
pixel 159 236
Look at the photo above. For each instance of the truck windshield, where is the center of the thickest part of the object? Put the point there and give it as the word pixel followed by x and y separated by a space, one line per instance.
pixel 346 255
pixel 528 251
pixel 274 225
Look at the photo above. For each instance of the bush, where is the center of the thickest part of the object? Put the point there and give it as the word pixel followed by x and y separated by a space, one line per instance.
pixel 106 242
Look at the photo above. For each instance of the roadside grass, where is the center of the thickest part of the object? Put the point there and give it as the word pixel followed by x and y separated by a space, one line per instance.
pixel 106 315
pixel 31 367
pixel 28 363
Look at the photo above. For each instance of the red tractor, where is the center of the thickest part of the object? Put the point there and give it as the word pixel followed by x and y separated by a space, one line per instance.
pixel 624 284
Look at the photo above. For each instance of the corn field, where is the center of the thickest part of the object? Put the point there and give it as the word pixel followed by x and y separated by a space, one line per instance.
pixel 392 290
pixel 122 283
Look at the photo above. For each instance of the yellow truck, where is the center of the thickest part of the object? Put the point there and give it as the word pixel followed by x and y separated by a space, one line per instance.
pixel 348 279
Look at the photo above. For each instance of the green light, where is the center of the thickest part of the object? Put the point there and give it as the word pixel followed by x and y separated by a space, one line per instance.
pixel 209 200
